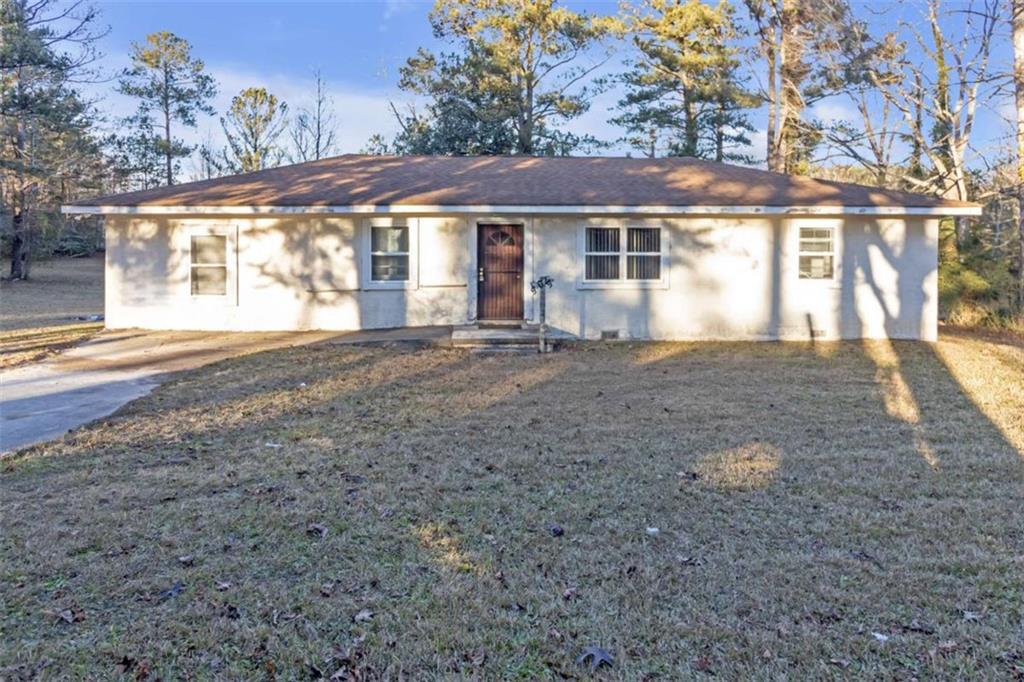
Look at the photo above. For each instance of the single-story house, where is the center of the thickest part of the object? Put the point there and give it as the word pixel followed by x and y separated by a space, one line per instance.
pixel 673 248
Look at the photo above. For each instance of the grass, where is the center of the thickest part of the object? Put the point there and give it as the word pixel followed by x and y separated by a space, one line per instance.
pixel 38 317
pixel 30 345
pixel 821 511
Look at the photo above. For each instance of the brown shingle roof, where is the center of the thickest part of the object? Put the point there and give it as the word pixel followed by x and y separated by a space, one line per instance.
pixel 517 181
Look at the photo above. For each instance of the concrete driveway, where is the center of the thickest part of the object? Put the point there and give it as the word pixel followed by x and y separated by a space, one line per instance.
pixel 43 401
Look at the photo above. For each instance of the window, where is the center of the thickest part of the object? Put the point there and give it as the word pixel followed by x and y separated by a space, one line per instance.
pixel 602 252
pixel 817 252
pixel 614 254
pixel 643 253
pixel 389 253
pixel 209 265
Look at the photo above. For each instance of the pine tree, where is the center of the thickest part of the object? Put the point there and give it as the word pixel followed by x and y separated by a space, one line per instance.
pixel 683 93
pixel 173 86
pixel 517 75
pixel 47 150
pixel 252 126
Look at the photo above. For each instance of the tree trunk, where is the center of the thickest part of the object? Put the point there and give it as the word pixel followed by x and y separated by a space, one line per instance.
pixel 167 125
pixel 773 159
pixel 720 131
pixel 21 242
pixel 167 136
pixel 1017 20
pixel 21 245
pixel 691 138
pixel 791 74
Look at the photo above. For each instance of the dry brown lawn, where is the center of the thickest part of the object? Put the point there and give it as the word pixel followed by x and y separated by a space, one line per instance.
pixel 841 510
pixel 37 317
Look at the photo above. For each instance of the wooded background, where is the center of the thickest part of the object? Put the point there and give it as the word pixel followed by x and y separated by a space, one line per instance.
pixel 698 79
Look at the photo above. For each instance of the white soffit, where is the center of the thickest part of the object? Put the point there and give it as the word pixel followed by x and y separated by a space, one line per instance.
pixel 524 209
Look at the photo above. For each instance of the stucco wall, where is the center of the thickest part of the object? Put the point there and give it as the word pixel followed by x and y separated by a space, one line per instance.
pixel 726 277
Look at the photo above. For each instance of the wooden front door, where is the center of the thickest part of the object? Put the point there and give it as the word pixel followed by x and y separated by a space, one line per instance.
pixel 499 293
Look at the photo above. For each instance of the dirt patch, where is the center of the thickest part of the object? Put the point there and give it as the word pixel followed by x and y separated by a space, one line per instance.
pixel 748 510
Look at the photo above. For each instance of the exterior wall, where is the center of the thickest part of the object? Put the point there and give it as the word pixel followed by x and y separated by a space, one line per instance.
pixel 725 277
pixel 285 273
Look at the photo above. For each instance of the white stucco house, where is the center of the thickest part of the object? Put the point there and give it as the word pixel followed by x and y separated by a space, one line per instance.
pixel 637 248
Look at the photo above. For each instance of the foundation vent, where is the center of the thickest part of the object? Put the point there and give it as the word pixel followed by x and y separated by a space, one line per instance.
pixel 610 335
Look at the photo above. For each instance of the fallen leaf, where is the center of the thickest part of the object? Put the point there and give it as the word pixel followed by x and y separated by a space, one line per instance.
pixel 125 664
pixel 363 616
pixel 919 626
pixel 277 617
pixel 72 615
pixel 864 556
pixel 174 591
pixel 317 529
pixel 839 662
pixel 880 637
pixel 569 593
pixel 651 530
pixel 186 560
pixel 948 647
pixel 231 612
pixel 326 589
pixel 553 633
pixel 594 657
pixel 971 616
pixel 556 530
pixel 222 586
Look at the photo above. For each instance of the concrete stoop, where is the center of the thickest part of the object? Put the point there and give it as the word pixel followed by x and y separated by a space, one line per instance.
pixel 506 339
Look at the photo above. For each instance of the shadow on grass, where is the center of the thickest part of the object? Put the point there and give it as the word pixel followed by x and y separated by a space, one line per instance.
pixel 795 514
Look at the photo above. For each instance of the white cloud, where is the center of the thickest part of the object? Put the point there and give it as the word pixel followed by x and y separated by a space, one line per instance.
pixel 758 146
pixel 832 110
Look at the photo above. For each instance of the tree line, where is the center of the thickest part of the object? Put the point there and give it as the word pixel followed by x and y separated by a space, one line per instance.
pixel 51 139
pixel 689 77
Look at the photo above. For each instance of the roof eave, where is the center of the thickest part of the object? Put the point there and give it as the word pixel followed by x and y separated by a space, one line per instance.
pixel 368 209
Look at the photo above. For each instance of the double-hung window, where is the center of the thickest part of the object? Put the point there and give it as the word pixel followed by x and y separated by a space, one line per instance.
pixel 389 253
pixel 622 254
pixel 817 250
pixel 603 253
pixel 208 265
pixel 643 253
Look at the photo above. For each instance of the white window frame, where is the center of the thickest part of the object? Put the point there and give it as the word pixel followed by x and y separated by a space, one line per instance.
pixel 835 226
pixel 230 234
pixel 368 283
pixel 622 282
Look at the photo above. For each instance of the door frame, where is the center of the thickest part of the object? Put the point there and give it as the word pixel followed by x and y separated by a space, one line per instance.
pixel 474 250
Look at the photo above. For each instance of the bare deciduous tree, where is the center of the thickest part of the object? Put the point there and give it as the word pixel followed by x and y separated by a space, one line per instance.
pixel 937 97
pixel 791 35
pixel 314 129
pixel 1017 22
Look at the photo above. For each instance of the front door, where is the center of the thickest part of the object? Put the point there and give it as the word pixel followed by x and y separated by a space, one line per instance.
pixel 499 292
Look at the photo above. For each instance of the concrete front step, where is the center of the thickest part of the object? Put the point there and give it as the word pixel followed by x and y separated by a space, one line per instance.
pixel 473 337
pixel 502 349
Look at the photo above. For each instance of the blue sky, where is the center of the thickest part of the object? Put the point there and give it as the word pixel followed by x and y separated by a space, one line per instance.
pixel 359 47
